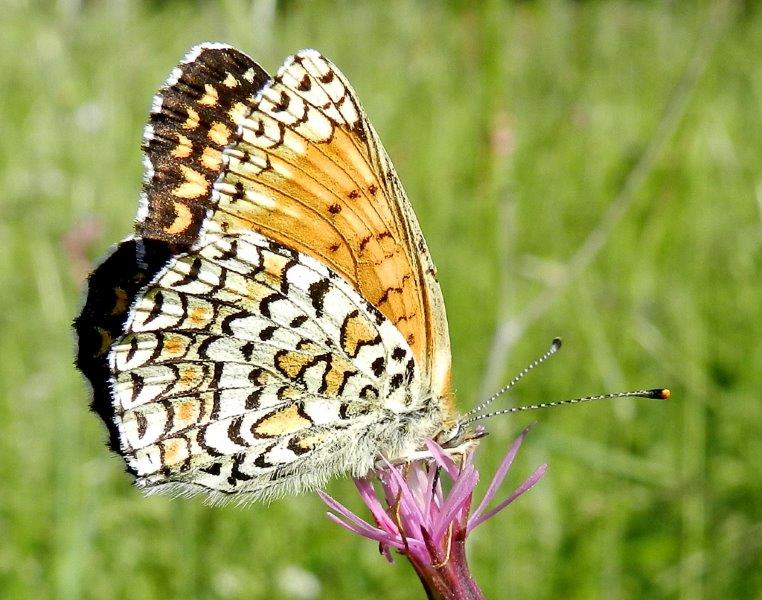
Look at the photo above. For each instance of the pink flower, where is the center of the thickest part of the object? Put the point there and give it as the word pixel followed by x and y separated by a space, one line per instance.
pixel 417 517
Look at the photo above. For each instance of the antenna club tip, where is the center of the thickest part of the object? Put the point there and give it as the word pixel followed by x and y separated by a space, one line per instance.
pixel 665 394
pixel 660 393
pixel 556 344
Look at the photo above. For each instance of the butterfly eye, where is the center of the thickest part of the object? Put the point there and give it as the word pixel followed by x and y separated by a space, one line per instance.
pixel 453 437
pixel 446 437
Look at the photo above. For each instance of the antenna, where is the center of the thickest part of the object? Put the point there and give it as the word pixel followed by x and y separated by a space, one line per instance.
pixel 656 394
pixel 555 346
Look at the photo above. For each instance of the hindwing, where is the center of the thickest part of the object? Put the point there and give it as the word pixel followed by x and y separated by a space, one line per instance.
pixel 243 359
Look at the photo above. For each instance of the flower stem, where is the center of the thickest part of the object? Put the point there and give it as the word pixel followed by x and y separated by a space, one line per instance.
pixel 452 579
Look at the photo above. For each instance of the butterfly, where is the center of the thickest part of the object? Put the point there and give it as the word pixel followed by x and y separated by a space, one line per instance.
pixel 275 319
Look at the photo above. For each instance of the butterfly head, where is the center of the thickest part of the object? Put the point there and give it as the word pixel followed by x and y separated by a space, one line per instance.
pixel 460 437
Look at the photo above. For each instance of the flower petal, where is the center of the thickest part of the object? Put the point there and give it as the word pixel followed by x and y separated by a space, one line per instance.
pixel 359 525
pixel 368 495
pixel 433 497
pixel 501 472
pixel 416 475
pixel 408 507
pixel 377 535
pixel 442 459
pixel 384 550
pixel 477 520
pixel 458 498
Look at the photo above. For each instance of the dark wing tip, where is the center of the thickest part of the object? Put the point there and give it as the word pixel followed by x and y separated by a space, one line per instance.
pixel 194 116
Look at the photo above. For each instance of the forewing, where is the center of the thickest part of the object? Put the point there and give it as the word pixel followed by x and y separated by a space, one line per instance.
pixel 247 367
pixel 307 169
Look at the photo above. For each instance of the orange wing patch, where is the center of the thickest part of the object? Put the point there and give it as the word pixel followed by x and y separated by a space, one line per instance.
pixel 307 170
pixel 174 451
pixel 191 375
pixel 356 332
pixel 281 423
pixel 175 346
pixel 293 364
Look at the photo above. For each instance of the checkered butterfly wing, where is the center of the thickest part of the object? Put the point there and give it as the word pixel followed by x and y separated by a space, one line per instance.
pixel 247 367
pixel 292 329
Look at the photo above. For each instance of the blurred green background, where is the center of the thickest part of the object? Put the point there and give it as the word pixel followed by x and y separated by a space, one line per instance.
pixel 585 169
